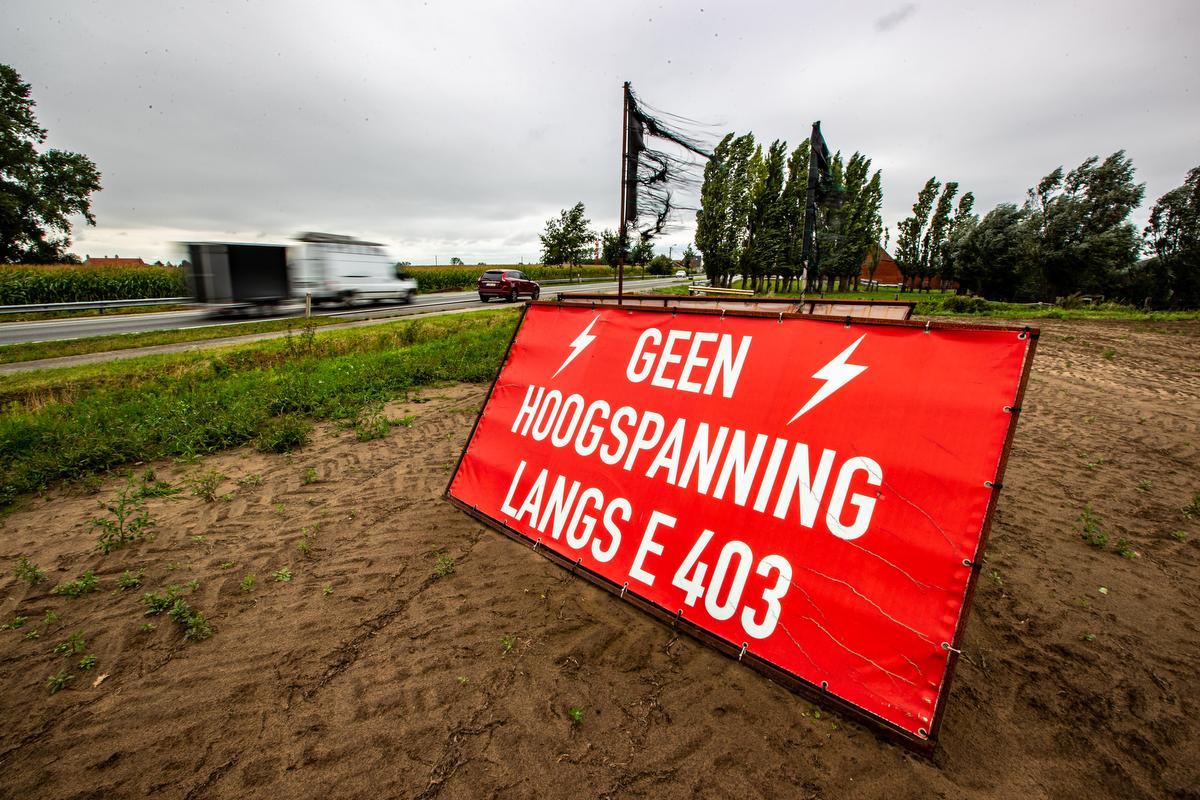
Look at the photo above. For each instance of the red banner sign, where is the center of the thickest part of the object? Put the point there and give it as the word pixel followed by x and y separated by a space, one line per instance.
pixel 813 494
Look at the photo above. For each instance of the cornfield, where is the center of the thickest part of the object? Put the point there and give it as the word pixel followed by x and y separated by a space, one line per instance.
pixel 446 279
pixel 70 283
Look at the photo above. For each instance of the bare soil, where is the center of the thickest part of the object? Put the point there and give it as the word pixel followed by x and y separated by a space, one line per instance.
pixel 368 675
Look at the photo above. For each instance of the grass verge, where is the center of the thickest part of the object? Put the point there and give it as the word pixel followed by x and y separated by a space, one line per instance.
pixel 32 351
pixel 72 423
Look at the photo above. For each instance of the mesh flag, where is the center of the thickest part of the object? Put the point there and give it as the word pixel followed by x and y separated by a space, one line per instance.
pixel 652 177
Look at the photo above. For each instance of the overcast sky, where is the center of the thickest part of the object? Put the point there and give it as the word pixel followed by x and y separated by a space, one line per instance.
pixel 456 128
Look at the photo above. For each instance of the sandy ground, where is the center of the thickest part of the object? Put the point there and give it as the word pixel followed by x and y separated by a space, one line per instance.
pixel 392 682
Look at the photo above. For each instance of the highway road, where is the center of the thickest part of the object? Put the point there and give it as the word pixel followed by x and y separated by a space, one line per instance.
pixel 81 327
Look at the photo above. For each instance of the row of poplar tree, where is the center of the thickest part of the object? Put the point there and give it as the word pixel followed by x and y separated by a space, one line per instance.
pixel 1071 235
pixel 751 218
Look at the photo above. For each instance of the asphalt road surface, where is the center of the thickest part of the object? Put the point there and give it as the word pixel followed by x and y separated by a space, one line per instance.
pixel 78 328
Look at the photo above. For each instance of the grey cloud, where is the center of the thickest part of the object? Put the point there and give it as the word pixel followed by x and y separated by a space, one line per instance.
pixel 894 17
pixel 459 128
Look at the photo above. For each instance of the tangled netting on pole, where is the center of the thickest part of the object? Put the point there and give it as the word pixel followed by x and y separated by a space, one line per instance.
pixel 652 176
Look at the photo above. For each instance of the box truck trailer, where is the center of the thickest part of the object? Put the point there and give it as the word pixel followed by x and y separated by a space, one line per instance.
pixel 329 267
pixel 238 275
pixel 344 269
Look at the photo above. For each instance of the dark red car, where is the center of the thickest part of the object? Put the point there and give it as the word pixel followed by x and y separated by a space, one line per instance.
pixel 507 283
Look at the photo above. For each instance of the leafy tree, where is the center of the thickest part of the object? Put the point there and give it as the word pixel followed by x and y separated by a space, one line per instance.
pixel 725 204
pixel 876 254
pixel 963 222
pixel 765 236
pixel 934 241
pixel 456 262
pixel 990 257
pixel 641 253
pixel 660 265
pixel 38 191
pixel 566 239
pixel 792 202
pixel 911 232
pixel 689 257
pixel 610 248
pixel 1174 236
pixel 1082 239
pixel 850 221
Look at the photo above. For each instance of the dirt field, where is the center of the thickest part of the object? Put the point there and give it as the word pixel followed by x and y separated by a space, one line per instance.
pixel 367 675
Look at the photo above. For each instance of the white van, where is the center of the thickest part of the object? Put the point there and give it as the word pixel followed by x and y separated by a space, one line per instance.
pixel 343 269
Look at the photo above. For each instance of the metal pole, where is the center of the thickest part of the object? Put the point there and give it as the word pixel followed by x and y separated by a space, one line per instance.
pixel 810 208
pixel 307 305
pixel 623 229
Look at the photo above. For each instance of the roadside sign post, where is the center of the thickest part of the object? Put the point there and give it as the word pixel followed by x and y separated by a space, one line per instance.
pixel 810 495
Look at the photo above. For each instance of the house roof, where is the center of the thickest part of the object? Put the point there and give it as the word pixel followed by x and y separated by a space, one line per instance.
pixel 105 261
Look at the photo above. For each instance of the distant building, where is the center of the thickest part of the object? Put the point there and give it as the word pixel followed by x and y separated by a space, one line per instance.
pixel 115 261
pixel 887 271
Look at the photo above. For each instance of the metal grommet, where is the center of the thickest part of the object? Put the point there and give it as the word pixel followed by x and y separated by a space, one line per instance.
pixel 743 651
pixel 967 562
pixel 927 324
pixel 989 484
pixel 924 734
pixel 1024 334
pixel 678 616
pixel 538 542
pixel 623 589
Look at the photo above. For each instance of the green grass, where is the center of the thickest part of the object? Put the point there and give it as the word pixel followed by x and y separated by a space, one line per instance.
pixel 37 316
pixel 75 422
pixel 939 304
pixel 32 351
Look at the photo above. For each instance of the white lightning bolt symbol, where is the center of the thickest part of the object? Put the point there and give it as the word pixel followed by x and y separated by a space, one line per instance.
pixel 836 374
pixel 578 346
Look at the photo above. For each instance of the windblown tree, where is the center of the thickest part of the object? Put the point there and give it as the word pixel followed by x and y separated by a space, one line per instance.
pixel 792 201
pixel 39 192
pixel 876 255
pixel 1081 236
pixel 963 222
pixel 911 233
pixel 764 236
pixel 991 257
pixel 850 222
pixel 1174 237
pixel 567 238
pixel 934 241
pixel 725 204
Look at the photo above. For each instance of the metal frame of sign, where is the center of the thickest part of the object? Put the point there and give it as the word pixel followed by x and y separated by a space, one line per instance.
pixel 796 684
pixel 580 298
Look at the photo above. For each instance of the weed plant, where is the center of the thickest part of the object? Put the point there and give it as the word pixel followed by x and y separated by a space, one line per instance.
pixel 84 584
pixel 27 571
